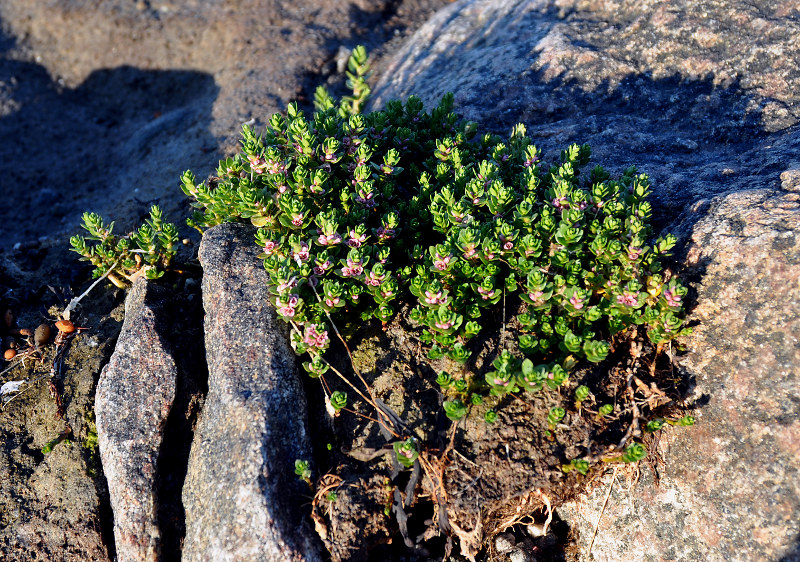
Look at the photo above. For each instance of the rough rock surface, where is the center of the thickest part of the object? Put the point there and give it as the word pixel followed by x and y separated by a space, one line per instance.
pixel 686 91
pixel 703 98
pixel 730 486
pixel 134 396
pixel 241 492
pixel 114 99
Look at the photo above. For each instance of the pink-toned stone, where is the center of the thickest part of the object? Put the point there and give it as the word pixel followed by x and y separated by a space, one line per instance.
pixel 134 396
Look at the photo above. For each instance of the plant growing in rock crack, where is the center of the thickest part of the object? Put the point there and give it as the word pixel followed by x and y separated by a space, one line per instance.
pixel 358 213
pixel 147 251
pixel 343 202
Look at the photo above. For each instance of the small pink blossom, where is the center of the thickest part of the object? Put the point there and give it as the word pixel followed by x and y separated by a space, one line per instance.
pixel 672 298
pixel 442 263
pixel 576 301
pixel 356 240
pixel 634 253
pixel 257 164
pixel 385 233
pixel 290 284
pixel 434 298
pixel 301 254
pixel 486 294
pixel 269 247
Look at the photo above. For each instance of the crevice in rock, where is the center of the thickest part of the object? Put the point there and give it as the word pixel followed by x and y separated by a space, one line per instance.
pixel 183 334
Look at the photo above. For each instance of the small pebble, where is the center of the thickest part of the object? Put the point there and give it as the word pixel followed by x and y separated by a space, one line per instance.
pixel 504 543
pixel 520 556
pixel 42 335
pixel 536 530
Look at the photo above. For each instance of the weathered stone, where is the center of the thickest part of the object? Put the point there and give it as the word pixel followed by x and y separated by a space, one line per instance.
pixel 632 79
pixel 134 396
pixel 125 95
pixel 241 495
pixel 700 97
pixel 730 486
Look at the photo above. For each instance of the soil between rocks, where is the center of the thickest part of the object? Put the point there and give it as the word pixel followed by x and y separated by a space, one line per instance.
pixel 494 477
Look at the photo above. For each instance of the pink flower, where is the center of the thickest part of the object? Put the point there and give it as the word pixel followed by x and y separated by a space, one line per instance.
pixel 508 245
pixel 332 301
pixel 432 298
pixel 385 233
pixel 355 240
pixel 536 296
pixel 576 301
pixel 627 299
pixel 290 284
pixel 257 164
pixel 672 298
pixel 297 220
pixel 634 253
pixel 486 294
pixel 302 253
pixel 269 247
pixel 442 263
pixel 355 268
pixel 443 325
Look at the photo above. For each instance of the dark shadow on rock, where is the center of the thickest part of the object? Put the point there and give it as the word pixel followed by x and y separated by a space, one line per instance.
pixel 794 554
pixel 182 332
pixel 64 151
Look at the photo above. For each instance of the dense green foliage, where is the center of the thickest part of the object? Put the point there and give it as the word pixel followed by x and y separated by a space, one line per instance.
pixel 148 250
pixel 358 213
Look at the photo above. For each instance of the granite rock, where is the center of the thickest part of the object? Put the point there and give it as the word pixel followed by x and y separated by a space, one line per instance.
pixel 702 97
pixel 689 92
pixel 241 492
pixel 134 396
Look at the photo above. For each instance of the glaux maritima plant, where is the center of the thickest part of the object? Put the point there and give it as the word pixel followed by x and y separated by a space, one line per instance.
pixel 357 210
pixel 147 251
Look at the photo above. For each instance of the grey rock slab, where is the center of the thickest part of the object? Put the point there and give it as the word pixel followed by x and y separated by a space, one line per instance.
pixel 699 95
pixel 241 496
pixel 689 92
pixel 134 396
